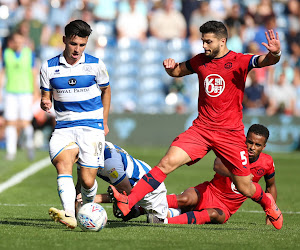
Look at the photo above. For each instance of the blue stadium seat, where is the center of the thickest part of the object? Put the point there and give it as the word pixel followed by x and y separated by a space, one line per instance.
pixel 151 56
pixel 150 84
pixel 151 102
pixel 124 84
pixel 105 28
pixel 124 101
pixel 153 70
pixel 126 69
pixel 154 43
pixel 126 55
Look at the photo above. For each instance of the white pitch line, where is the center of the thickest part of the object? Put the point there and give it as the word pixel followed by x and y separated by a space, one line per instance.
pixel 19 177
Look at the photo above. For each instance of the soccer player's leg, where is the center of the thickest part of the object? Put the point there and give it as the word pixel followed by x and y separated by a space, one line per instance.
pixel 64 162
pixel 174 158
pixel 204 216
pixel 89 185
pixel 254 191
pixel 155 204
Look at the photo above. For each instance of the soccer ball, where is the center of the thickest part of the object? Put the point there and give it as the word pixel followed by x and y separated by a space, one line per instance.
pixel 91 217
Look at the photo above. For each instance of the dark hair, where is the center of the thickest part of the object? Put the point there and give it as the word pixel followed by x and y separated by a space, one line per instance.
pixel 215 27
pixel 259 129
pixel 78 28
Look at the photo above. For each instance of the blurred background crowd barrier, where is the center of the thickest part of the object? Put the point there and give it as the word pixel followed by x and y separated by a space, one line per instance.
pixel 133 37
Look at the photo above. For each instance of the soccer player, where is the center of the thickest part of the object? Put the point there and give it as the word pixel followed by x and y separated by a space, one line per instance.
pixel 123 171
pixel 78 85
pixel 20 73
pixel 219 126
pixel 216 201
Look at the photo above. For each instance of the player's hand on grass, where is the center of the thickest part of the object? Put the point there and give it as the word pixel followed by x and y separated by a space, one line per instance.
pixel 79 198
pixel 273 44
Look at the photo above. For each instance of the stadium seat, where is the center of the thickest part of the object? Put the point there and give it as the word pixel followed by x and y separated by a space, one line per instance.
pixel 125 84
pixel 150 84
pixel 126 69
pixel 151 102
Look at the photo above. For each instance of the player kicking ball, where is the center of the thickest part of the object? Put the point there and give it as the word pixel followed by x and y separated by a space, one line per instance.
pixel 123 171
pixel 218 127
pixel 216 201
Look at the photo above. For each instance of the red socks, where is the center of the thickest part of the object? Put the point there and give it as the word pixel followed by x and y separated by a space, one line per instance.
pixel 145 185
pixel 260 197
pixel 193 217
pixel 172 201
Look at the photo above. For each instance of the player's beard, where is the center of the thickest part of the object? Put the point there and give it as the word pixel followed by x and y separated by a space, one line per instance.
pixel 214 53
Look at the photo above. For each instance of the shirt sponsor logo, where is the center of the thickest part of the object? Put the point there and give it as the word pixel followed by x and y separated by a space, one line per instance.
pixel 56 72
pixel 233 188
pixel 71 91
pixel 72 81
pixel 214 85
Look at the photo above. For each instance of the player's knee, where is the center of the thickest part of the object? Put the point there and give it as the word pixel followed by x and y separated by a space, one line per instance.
pixel 88 184
pixel 216 216
pixel 244 190
pixel 184 200
pixel 167 164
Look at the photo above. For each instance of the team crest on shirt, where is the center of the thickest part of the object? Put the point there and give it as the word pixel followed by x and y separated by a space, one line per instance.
pixel 228 65
pixel 260 172
pixel 87 68
pixel 214 85
pixel 72 81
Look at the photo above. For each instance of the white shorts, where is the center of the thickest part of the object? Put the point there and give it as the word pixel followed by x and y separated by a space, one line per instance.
pixel 156 202
pixel 18 107
pixel 90 141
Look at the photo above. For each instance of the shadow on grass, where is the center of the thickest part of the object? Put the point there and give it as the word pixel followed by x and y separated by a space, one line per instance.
pixel 44 223
pixel 211 227
pixel 49 224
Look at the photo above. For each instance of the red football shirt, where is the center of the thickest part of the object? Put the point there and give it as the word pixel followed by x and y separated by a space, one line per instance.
pixel 225 190
pixel 221 89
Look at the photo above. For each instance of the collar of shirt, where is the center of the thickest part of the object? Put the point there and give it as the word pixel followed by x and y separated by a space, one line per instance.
pixel 62 60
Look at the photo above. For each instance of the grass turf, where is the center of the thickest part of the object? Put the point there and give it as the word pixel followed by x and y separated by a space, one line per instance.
pixel 25 224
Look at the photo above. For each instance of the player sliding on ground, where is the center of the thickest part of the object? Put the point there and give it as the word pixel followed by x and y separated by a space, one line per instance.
pixel 216 201
pixel 218 127
pixel 123 171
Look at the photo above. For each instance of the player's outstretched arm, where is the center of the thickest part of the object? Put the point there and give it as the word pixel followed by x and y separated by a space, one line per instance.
pixel 273 45
pixel 175 69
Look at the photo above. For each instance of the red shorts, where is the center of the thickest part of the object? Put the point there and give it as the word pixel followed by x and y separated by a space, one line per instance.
pixel 209 200
pixel 229 146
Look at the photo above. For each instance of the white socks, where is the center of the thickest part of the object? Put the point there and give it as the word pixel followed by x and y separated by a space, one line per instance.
pixel 174 212
pixel 11 137
pixel 28 132
pixel 88 195
pixel 67 193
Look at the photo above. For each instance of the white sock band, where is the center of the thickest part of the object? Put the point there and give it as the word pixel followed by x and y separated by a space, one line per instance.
pixel 174 212
pixel 66 192
pixel 88 195
pixel 11 137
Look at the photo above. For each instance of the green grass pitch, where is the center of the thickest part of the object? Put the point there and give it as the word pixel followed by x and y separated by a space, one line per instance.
pixel 25 224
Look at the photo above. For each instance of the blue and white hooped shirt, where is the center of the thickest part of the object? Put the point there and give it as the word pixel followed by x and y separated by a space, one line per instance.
pixel 76 90
pixel 118 164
